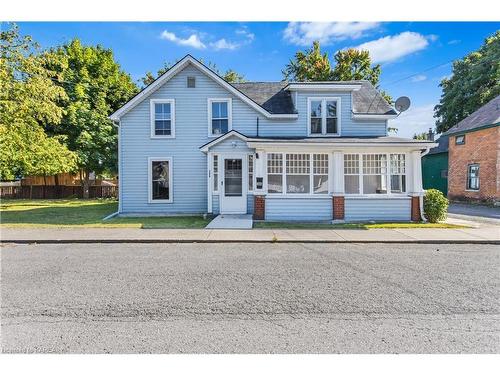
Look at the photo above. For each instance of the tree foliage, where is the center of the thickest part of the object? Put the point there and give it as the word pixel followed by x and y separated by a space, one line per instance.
pixel 350 64
pixel 28 100
pixel 475 81
pixel 95 86
pixel 421 136
pixel 229 75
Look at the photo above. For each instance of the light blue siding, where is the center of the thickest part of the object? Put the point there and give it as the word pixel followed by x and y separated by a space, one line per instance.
pixel 298 209
pixel 215 204
pixel 250 199
pixel 377 209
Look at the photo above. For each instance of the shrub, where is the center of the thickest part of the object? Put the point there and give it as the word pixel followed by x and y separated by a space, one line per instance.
pixel 435 206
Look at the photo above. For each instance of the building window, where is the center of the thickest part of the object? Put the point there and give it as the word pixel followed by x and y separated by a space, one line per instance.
pixel 160 180
pixel 162 118
pixel 375 174
pixel 275 173
pixel 460 139
pixel 351 173
pixel 369 173
pixel 250 172
pixel 298 169
pixel 398 173
pixel 473 177
pixel 444 173
pixel 320 173
pixel 215 172
pixel 219 114
pixel 324 116
pixel 191 82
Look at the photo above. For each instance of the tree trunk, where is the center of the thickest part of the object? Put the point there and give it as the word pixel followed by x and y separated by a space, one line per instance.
pixel 86 185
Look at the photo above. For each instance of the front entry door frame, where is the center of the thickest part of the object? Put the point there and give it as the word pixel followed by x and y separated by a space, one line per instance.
pixel 233 205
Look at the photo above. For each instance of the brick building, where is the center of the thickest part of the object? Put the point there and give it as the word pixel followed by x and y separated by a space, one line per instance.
pixel 474 155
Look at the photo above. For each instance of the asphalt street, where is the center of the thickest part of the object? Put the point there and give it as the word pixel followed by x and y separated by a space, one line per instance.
pixel 250 298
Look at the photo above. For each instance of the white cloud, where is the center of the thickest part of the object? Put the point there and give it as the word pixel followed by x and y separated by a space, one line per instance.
pixel 224 44
pixel 193 40
pixel 419 78
pixel 304 33
pixel 454 41
pixel 391 48
pixel 414 120
pixel 247 34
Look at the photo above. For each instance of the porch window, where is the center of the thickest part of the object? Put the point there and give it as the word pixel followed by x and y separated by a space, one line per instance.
pixel 298 168
pixel 162 118
pixel 215 173
pixel 219 116
pixel 375 174
pixel 275 173
pixel 250 172
pixel 323 116
pixel 351 173
pixel 473 177
pixel 160 177
pixel 320 173
pixel 398 173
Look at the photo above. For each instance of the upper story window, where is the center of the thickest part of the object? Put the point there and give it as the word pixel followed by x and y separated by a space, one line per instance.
pixel 191 82
pixel 460 139
pixel 323 116
pixel 219 116
pixel 162 112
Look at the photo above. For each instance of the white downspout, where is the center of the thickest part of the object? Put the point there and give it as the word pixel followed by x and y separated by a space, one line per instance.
pixel 421 200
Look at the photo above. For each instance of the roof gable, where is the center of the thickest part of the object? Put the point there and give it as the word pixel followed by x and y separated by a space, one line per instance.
pixel 178 67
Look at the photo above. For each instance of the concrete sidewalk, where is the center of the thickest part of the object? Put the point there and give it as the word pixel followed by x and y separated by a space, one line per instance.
pixel 114 235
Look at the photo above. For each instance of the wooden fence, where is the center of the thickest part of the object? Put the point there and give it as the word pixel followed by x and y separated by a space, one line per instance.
pixel 56 192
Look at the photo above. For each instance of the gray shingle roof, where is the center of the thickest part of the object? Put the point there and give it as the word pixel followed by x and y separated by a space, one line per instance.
pixel 269 95
pixel 442 146
pixel 488 114
pixel 273 97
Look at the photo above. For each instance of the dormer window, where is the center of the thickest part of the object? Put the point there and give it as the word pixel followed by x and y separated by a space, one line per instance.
pixel 323 116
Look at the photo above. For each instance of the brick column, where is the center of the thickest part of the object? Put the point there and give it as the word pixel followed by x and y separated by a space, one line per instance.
pixel 259 207
pixel 338 208
pixel 415 209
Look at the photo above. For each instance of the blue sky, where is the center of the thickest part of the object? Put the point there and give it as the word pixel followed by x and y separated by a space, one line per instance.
pixel 260 50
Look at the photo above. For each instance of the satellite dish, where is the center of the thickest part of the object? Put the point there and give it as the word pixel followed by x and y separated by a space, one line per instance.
pixel 402 104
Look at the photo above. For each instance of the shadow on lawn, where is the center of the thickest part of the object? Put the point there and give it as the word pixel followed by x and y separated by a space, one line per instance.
pixel 59 213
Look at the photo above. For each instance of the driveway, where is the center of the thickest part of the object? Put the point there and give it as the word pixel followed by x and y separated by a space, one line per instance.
pixel 250 298
pixel 474 212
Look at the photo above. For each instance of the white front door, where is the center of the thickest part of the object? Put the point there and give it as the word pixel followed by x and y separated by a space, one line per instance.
pixel 233 187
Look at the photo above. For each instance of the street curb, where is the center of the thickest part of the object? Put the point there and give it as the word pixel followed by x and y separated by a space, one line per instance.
pixel 159 241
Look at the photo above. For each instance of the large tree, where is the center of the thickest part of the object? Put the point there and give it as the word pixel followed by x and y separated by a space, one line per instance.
pixel 350 64
pixel 475 80
pixel 229 75
pixel 28 100
pixel 95 86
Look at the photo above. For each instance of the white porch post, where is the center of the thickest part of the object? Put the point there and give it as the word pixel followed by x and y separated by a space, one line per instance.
pixel 209 181
pixel 337 173
pixel 260 171
pixel 416 173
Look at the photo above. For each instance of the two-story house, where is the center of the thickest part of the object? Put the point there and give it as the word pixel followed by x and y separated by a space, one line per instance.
pixel 192 143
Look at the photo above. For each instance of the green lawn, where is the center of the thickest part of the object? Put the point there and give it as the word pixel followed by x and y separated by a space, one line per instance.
pixel 87 213
pixel 290 225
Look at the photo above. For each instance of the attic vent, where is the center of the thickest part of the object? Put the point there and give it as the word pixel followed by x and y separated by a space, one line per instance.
pixel 191 82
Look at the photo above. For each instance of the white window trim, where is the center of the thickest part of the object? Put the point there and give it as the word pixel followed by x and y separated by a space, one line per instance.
pixel 323 115
pixel 311 193
pixel 170 179
pixel 253 172
pixel 229 102
pixel 216 191
pixel 152 103
pixel 388 175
